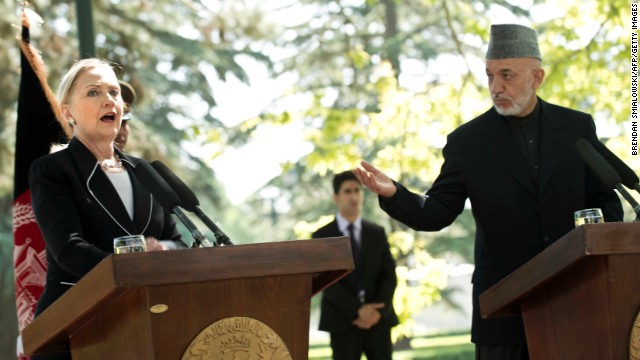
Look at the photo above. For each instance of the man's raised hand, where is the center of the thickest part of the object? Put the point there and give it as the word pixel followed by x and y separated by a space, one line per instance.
pixel 375 180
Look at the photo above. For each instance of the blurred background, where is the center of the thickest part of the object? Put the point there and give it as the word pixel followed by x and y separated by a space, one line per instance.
pixel 256 103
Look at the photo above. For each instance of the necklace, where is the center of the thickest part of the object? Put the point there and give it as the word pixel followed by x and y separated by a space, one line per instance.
pixel 107 164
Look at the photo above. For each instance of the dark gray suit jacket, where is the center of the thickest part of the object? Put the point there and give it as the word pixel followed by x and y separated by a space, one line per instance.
pixel 515 219
pixel 339 306
pixel 80 213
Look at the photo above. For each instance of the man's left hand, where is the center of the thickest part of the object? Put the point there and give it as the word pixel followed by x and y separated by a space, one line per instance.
pixel 368 315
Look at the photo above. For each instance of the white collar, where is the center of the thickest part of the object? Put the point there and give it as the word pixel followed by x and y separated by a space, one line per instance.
pixel 343 224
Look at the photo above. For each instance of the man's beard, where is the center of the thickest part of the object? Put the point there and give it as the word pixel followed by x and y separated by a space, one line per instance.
pixel 517 105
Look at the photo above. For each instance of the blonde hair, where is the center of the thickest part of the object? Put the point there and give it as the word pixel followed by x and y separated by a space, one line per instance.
pixel 69 79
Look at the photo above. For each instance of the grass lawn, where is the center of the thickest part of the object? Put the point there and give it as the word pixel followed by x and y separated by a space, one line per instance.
pixel 455 346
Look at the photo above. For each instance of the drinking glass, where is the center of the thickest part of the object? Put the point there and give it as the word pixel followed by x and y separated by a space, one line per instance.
pixel 129 244
pixel 588 216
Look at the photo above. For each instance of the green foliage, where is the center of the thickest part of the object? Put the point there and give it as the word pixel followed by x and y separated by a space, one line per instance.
pixel 587 67
pixel 169 51
pixel 361 108
pixel 421 278
pixel 386 81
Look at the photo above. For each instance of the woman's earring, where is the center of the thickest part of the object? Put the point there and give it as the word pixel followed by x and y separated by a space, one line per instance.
pixel 72 122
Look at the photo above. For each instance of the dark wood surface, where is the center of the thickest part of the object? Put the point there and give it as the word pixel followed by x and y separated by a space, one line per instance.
pixel 587 312
pixel 586 240
pixel 578 298
pixel 271 282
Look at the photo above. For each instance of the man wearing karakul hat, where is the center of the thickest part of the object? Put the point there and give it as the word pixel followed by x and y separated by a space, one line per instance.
pixel 517 165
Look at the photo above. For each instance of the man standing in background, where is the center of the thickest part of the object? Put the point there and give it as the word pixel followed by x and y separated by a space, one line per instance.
pixel 129 97
pixel 358 310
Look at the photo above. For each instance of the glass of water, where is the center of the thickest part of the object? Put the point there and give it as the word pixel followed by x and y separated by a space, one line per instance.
pixel 588 216
pixel 129 244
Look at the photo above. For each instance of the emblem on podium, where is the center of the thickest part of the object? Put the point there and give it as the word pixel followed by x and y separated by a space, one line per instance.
pixel 237 338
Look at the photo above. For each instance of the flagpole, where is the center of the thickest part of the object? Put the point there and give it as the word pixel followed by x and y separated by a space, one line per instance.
pixel 85 28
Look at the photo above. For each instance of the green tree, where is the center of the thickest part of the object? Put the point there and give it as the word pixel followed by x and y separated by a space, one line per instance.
pixel 170 51
pixel 377 89
pixel 354 65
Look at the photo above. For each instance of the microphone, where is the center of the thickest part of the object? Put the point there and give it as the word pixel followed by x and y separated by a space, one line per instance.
pixel 189 200
pixel 605 172
pixel 629 178
pixel 153 182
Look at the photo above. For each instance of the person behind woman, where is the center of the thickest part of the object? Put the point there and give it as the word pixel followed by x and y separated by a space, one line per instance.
pixel 87 194
pixel 129 97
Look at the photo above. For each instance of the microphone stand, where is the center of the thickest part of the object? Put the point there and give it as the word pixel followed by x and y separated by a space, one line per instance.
pixel 625 194
pixel 219 234
pixel 167 197
pixel 200 240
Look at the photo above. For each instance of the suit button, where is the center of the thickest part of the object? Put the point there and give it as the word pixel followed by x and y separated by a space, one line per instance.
pixel 545 239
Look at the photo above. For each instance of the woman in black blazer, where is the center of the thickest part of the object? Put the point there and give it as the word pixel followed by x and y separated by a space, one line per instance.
pixel 87 194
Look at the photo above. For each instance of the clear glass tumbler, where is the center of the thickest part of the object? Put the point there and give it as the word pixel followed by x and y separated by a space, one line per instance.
pixel 129 244
pixel 588 216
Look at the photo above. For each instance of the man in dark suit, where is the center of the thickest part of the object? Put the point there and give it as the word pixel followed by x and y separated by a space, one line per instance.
pixel 517 165
pixel 358 310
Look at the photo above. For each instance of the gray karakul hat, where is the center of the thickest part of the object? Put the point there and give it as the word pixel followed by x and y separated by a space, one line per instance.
pixel 512 41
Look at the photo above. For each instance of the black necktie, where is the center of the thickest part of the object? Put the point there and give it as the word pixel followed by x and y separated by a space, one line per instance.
pixel 357 259
pixel 355 248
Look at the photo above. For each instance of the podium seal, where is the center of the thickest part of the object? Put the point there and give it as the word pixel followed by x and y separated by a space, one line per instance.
pixel 634 342
pixel 237 338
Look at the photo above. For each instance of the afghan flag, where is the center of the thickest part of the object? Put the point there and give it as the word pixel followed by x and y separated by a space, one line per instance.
pixel 37 129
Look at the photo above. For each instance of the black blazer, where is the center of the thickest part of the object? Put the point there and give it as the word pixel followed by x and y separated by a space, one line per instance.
pixel 515 219
pixel 339 307
pixel 80 213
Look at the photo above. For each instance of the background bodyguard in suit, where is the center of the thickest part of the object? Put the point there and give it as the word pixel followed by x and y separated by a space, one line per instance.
pixel 517 165
pixel 358 310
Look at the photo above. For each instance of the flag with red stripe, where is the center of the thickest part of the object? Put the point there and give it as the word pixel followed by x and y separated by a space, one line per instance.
pixel 37 129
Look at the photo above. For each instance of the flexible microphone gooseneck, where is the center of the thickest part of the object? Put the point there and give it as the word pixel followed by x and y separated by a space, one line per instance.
pixel 628 177
pixel 605 172
pixel 161 191
pixel 189 200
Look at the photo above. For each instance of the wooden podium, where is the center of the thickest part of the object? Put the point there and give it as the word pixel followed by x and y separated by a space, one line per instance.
pixel 156 305
pixel 580 297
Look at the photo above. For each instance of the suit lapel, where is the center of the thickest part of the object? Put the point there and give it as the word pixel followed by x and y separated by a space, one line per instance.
pixel 552 141
pixel 364 235
pixel 505 150
pixel 100 187
pixel 142 200
pixel 335 230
